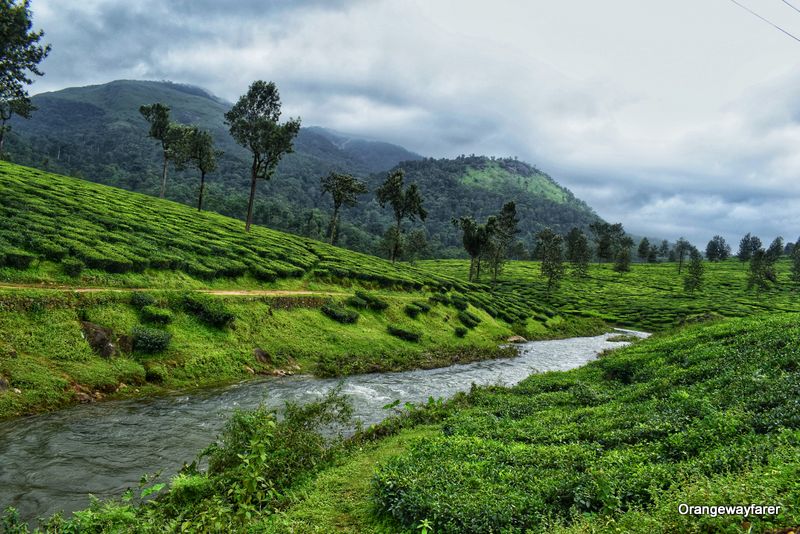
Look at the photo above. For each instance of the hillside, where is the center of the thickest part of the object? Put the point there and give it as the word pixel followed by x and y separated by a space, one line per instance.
pixel 212 304
pixel 96 133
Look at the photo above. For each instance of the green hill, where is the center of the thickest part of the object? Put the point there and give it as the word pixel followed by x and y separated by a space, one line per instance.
pixel 96 133
pixel 213 304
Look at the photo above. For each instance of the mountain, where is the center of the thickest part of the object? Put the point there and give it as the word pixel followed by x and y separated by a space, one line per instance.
pixel 97 133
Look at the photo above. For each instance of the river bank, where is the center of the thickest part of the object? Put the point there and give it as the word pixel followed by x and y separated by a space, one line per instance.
pixel 52 461
pixel 59 348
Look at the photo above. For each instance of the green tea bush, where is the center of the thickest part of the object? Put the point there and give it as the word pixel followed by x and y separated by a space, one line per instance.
pixel 17 258
pixel 72 266
pixel 373 302
pixel 340 314
pixel 412 310
pixel 208 309
pixel 468 319
pixel 263 274
pixel 404 333
pixel 140 299
pixel 154 314
pixel 150 340
pixel 461 331
pixel 459 302
pixel 356 302
pixel 422 305
pixel 440 299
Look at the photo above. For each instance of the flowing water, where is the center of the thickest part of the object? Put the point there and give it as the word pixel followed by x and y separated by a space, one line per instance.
pixel 52 462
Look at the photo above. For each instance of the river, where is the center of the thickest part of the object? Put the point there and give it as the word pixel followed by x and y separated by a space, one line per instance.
pixel 51 462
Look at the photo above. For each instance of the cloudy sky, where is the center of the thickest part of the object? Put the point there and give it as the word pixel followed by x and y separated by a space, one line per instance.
pixel 677 117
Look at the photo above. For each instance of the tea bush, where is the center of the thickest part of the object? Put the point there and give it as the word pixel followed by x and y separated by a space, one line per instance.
pixel 154 314
pixel 209 310
pixel 404 333
pixel 150 340
pixel 340 314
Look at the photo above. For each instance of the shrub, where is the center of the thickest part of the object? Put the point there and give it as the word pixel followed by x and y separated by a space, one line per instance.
pixel 412 310
pixel 356 302
pixel 263 274
pixel 208 310
pixel 150 340
pixel 340 314
pixel 154 314
pixel 468 319
pixel 140 299
pixel 439 299
pixel 459 302
pixel 461 331
pixel 404 333
pixel 17 258
pixel 72 266
pixel 373 302
pixel 422 305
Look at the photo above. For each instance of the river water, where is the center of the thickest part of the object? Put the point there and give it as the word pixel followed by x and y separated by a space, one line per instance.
pixel 52 462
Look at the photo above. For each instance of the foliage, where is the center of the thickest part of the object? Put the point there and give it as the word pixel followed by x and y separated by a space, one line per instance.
pixel 403 332
pixel 340 314
pixel 762 270
pixel 406 203
pixel 373 302
pixel 693 280
pixel 20 55
pixel 461 331
pixel 620 441
pixel 468 319
pixel 150 340
pixel 622 257
pixel 578 252
pixel 718 249
pixel 140 299
pixel 253 123
pixel 549 250
pixel 344 190
pixel 209 310
pixel 72 267
pixel 154 314
pixel 747 246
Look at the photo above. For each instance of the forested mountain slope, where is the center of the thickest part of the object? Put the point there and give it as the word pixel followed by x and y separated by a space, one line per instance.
pixel 97 133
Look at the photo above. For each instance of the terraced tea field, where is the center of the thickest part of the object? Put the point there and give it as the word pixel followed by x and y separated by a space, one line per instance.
pixel 650 296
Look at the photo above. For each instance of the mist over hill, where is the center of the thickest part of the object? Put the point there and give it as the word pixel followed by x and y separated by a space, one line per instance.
pixel 97 133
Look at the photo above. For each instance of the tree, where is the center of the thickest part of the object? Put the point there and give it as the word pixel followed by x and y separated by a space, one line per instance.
pixel 717 249
pixel 693 280
pixel 501 230
pixel 796 263
pixel 622 257
pixel 762 270
pixel 775 250
pixel 644 249
pixel 663 249
pixel 578 253
pixel 416 245
pixel 172 137
pixel 406 204
pixel 20 55
pixel 344 189
pixel 548 245
pixel 682 247
pixel 605 235
pixel 475 239
pixel 200 153
pixel 747 246
pixel 253 123
pixel 652 256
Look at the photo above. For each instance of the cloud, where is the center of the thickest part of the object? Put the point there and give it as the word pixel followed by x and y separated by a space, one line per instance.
pixel 653 115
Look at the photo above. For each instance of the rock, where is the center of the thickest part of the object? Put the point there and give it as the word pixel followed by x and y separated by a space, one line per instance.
pixel 18 391
pixel 99 338
pixel 83 398
pixel 125 343
pixel 3 384
pixel 278 372
pixel 249 370
pixel 516 339
pixel 262 356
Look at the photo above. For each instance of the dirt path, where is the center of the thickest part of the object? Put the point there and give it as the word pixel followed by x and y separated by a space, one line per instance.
pixel 221 292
